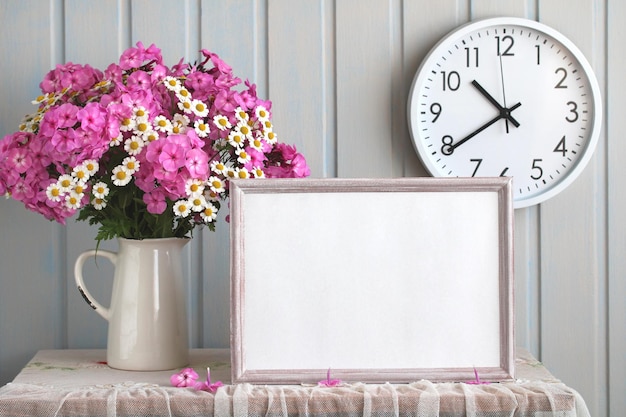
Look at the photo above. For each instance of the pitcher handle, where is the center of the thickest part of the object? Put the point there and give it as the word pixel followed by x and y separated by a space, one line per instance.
pixel 80 283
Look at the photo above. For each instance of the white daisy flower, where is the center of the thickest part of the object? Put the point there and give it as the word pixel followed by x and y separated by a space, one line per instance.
pixel 270 136
pixel 127 125
pixel 230 173
pixel 183 94
pixel 256 143
pixel 162 124
pixel 120 176
pixel 216 185
pixel 140 113
pixel 201 128
pixel 194 187
pixel 221 122
pixel 98 203
pixel 218 167
pixel 53 192
pixel 141 127
pixel 80 173
pixel 92 166
pixel 209 214
pixel 65 183
pixel 181 119
pixel 197 203
pixel 186 106
pixel 131 164
pixel 182 208
pixel 261 113
pixel 150 136
pixel 258 172
pixel 116 140
pixel 172 84
pixel 244 129
pixel 236 139
pixel 79 188
pixel 72 201
pixel 134 145
pixel 199 108
pixel 241 115
pixel 242 156
pixel 242 173
pixel 100 190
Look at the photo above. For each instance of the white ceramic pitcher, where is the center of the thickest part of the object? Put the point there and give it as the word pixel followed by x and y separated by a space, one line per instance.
pixel 147 316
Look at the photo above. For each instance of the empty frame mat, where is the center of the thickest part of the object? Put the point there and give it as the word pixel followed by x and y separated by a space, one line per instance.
pixel 389 280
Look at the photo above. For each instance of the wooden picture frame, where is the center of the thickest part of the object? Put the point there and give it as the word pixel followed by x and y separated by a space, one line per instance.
pixel 376 280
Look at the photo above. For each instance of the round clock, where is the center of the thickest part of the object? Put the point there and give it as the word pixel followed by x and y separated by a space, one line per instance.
pixel 506 97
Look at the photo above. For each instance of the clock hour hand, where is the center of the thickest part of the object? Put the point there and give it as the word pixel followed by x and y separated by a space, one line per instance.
pixel 449 148
pixel 505 113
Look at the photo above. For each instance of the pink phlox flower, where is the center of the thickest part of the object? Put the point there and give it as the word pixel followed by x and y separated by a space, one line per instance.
pixel 172 157
pixel 257 158
pixel 64 116
pixel 208 385
pixel 477 380
pixel 197 163
pixel 139 80
pixel 202 84
pixel 92 117
pixel 185 378
pixel 155 202
pixel 63 141
pixel 328 382
pixel 19 160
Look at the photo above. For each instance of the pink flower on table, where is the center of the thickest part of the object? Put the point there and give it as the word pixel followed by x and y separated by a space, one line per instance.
pixel 328 382
pixel 185 378
pixel 208 385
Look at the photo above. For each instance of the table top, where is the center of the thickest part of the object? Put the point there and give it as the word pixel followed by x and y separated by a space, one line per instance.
pixel 78 382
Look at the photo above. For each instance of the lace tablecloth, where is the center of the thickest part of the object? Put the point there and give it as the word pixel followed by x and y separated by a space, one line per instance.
pixel 79 383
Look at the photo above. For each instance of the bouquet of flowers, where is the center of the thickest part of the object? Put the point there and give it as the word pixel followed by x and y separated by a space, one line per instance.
pixel 142 149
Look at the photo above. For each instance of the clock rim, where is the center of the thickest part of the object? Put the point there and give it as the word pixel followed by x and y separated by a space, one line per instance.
pixel 463 30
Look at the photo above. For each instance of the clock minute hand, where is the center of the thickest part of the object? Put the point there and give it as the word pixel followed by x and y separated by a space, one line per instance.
pixel 505 113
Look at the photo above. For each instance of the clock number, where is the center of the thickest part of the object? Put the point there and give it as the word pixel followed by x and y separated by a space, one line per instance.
pixel 447 148
pixel 435 109
pixel 451 81
pixel 478 162
pixel 573 109
pixel 561 82
pixel 538 168
pixel 468 57
pixel 507 42
pixel 538 47
pixel 560 147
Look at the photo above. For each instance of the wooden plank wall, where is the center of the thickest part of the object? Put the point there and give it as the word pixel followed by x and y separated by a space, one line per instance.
pixel 338 73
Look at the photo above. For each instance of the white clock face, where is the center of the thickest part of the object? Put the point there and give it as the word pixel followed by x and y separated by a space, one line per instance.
pixel 506 97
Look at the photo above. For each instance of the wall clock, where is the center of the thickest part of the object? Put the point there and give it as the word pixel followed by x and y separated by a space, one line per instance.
pixel 506 97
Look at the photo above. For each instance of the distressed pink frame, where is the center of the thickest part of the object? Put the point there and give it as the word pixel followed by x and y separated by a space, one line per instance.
pixel 241 372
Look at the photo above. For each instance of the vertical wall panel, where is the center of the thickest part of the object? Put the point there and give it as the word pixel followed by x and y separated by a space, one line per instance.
pixel 364 70
pixel 616 151
pixel 423 24
pixel 573 236
pixel 31 289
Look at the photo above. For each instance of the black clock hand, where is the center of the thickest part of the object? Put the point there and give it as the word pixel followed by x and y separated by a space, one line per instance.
pixel 504 112
pixel 448 149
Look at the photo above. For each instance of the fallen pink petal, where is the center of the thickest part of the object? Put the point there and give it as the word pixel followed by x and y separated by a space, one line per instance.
pixel 208 385
pixel 477 380
pixel 328 382
pixel 185 378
